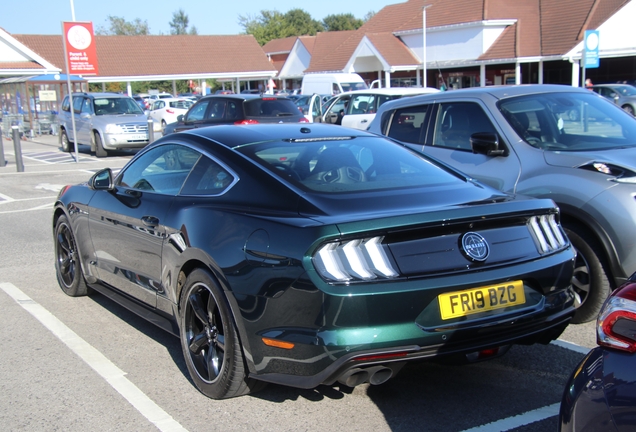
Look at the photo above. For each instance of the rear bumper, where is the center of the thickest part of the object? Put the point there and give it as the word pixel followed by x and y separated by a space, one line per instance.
pixel 506 331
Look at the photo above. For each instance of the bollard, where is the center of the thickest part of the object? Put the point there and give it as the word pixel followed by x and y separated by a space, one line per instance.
pixel 151 131
pixel 3 162
pixel 17 148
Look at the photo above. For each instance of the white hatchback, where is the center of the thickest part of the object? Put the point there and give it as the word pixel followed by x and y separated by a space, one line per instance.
pixel 356 109
pixel 165 111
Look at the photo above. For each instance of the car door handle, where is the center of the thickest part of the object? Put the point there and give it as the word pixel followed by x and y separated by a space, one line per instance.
pixel 364 121
pixel 150 221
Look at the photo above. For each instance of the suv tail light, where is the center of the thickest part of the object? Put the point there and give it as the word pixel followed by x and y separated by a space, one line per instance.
pixel 303 120
pixel 246 122
pixel 616 324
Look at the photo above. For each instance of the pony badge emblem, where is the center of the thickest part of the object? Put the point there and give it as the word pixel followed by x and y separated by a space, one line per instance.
pixel 475 247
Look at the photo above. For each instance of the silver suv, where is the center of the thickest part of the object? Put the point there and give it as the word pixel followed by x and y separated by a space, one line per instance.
pixel 547 141
pixel 105 121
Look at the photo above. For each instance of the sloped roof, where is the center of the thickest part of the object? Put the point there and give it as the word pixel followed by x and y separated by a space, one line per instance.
pixel 161 55
pixel 392 49
pixel 332 50
pixel 308 42
pixel 543 28
pixel 504 47
pixel 280 45
pixel 20 65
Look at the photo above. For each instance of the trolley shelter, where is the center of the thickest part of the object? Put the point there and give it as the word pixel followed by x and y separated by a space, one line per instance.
pixel 33 102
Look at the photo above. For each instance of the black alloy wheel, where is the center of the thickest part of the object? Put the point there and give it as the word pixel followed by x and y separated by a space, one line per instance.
pixel 67 260
pixel 590 283
pixel 209 340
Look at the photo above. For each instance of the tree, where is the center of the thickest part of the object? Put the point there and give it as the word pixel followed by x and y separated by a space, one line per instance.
pixel 275 25
pixel 179 24
pixel 341 22
pixel 120 27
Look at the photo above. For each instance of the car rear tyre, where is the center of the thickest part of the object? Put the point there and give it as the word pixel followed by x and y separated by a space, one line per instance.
pixel 67 145
pixel 100 152
pixel 209 340
pixel 589 281
pixel 163 126
pixel 67 260
pixel 629 109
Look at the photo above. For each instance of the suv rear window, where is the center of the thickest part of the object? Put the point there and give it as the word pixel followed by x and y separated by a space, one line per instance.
pixel 271 107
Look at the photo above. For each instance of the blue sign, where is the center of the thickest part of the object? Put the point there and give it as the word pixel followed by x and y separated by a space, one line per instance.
pixel 590 53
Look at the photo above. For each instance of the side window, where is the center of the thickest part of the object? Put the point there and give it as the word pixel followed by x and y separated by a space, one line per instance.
pixel 77 104
pixel 87 107
pixel 162 170
pixel 457 121
pixel 66 104
pixel 217 109
pixel 197 111
pixel 233 110
pixel 208 178
pixel 362 104
pixel 407 124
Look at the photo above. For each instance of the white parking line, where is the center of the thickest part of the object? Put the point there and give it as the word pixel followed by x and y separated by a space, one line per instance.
pixel 6 198
pixel 47 206
pixel 535 415
pixel 518 420
pixel 96 360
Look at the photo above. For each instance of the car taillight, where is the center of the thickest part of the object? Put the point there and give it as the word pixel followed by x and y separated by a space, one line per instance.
pixel 246 122
pixel 616 323
pixel 303 120
pixel 170 111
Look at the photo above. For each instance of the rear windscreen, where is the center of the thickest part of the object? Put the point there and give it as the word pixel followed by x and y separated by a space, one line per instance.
pixel 270 107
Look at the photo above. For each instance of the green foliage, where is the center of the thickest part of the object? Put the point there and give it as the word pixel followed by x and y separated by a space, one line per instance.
pixel 179 24
pixel 275 25
pixel 120 27
pixel 341 22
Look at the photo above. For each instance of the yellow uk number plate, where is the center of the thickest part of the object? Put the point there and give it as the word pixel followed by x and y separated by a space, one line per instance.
pixel 482 299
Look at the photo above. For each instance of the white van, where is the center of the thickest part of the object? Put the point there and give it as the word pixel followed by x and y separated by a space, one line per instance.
pixel 357 109
pixel 331 83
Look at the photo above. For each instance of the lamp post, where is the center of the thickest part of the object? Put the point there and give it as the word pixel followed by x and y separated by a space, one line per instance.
pixel 424 83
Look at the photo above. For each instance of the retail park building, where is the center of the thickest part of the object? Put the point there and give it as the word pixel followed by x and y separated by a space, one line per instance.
pixel 468 43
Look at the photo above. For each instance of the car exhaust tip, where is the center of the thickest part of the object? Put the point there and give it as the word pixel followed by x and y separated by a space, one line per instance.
pixel 380 375
pixel 354 377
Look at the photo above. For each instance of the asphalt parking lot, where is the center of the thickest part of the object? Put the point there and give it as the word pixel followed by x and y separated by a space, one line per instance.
pixel 86 363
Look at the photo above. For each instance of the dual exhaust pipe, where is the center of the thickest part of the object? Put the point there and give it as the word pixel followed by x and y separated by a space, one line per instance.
pixel 373 374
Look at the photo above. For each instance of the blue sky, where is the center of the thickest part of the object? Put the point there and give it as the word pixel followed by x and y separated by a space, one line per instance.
pixel 209 17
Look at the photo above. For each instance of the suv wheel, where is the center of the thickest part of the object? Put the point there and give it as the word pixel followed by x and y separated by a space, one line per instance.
pixel 67 146
pixel 589 281
pixel 100 152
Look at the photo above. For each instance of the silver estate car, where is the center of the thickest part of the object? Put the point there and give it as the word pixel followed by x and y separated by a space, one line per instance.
pixel 623 95
pixel 105 121
pixel 547 141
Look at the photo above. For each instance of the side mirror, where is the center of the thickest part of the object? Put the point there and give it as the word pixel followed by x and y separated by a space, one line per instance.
pixel 180 118
pixel 486 143
pixel 102 180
